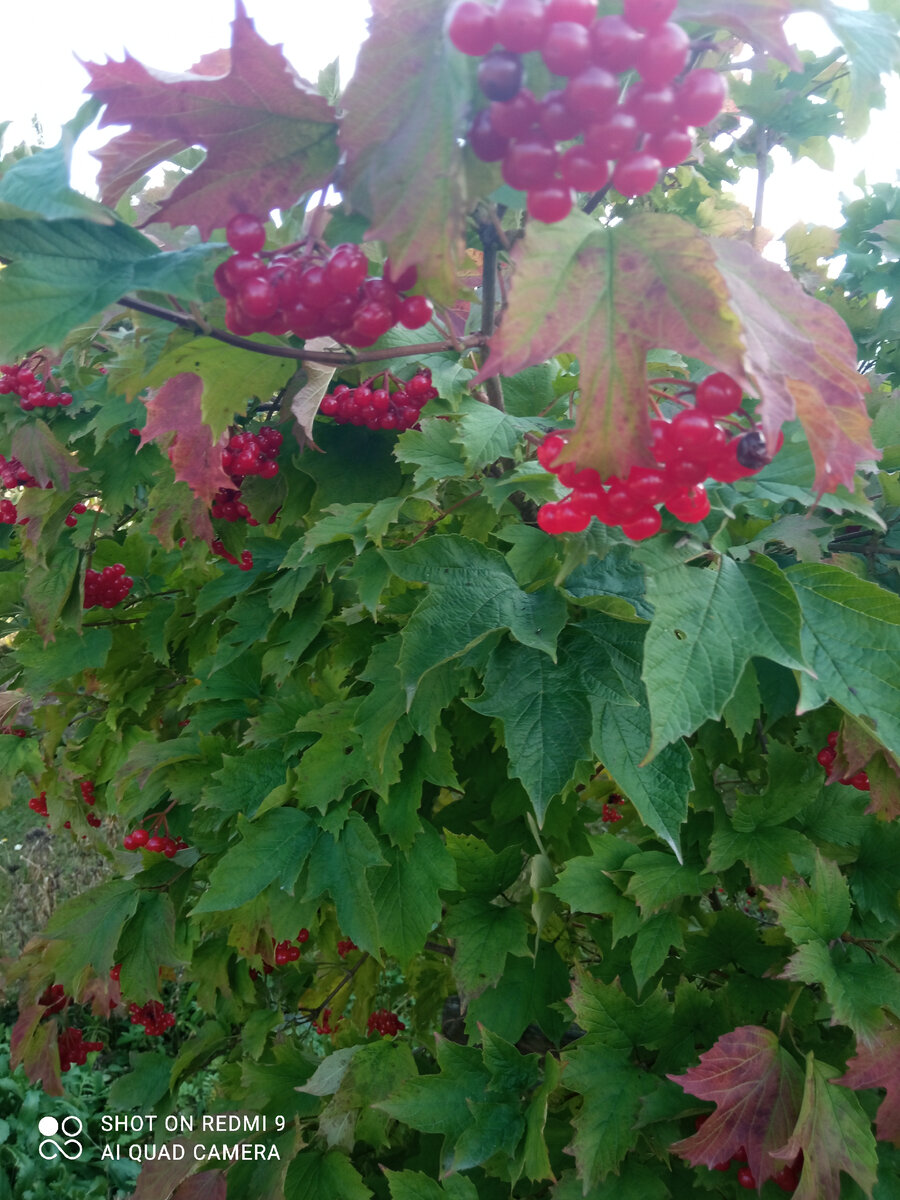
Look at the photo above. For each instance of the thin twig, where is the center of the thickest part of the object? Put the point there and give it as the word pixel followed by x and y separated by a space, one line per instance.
pixel 328 357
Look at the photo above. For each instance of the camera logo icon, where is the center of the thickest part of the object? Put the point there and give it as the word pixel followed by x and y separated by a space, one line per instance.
pixel 68 1145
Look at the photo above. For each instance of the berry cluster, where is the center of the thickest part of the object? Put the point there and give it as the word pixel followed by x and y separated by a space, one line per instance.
pixel 106 588
pixel 316 292
pixel 22 381
pixel 379 407
pixel 38 804
pixel 73 1050
pixel 14 475
pixel 285 952
pixel 610 812
pixel 252 454
pixel 14 731
pixel 385 1022
pixel 152 1016
pixel 9 514
pixel 687 449
pixel 154 842
pixel 826 758
pixel 325 1026
pixel 72 518
pixel 345 946
pixel 245 562
pixel 87 795
pixel 228 506
pixel 54 999
pixel 115 972
pixel 644 131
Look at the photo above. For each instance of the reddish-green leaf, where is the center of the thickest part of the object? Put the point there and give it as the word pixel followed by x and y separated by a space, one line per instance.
pixel 268 134
pixel 404 164
pixel 802 358
pixel 878 1066
pixel 834 1134
pixel 197 459
pixel 608 296
pixel 758 22
pixel 756 1087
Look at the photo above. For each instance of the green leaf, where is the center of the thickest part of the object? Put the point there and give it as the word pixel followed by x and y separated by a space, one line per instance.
pixel 852 643
pixel 585 887
pixel 769 852
pixel 659 878
pixel 834 1134
pixel 61 272
pixel 707 625
pixel 613 1019
pixel 483 934
pixel 144 1085
pixel 274 847
pixel 433 451
pixel 407 903
pixel 857 987
pixel 440 1103
pixel 873 50
pixel 528 992
pixel 819 910
pixel 758 22
pixel 612 1086
pixel 403 109
pixel 873 876
pixel 313 1175
pixel 91 924
pixel 147 943
pixel 472 592
pixel 546 718
pixel 343 865
pixel 479 870
pixel 231 376
pixel 486 434
pixel 71 653
pixel 651 946
pixel 659 789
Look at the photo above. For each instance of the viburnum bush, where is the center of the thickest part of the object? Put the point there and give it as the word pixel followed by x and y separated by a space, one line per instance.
pixel 462 546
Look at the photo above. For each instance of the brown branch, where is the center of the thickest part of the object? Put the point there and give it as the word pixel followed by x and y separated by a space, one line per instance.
pixel 332 358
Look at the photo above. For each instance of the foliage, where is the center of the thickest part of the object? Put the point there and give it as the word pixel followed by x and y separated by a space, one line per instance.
pixel 487 859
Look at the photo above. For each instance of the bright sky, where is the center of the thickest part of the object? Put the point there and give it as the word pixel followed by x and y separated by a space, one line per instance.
pixel 41 76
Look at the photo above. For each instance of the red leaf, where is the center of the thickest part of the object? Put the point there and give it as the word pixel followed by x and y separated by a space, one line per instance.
pixel 878 1066
pixel 197 459
pixel 608 296
pixel 206 1185
pixel 758 22
pixel 268 134
pixel 405 104
pixel 33 1044
pixel 159 1179
pixel 803 359
pixel 757 1089
pixel 34 444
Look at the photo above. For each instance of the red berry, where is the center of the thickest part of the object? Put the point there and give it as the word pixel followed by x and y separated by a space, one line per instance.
pixel 662 54
pixel 636 174
pixel 415 311
pixel 648 14
pixel 405 281
pixel 644 525
pixel 615 43
pixel 613 137
pixel 671 148
pixel 689 504
pixel 516 117
pixel 691 430
pixel 140 837
pixel 530 164
pixel 258 298
pixel 786 1179
pixel 833 738
pixel 746 1179
pixel 470 28
pixel 155 844
pixel 486 143
pixel 245 233
pixel 550 449
pixel 582 11
pixel 860 781
pixel 346 269
pixel 556 119
pixel 566 49
pixel 701 96
pixel 550 204
pixel 520 25
pixel 582 173
pixel 652 107
pixel 592 93
pixel 719 394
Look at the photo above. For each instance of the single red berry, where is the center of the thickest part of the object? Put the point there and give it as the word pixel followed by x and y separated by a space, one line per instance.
pixel 701 96
pixel 636 174
pixel 612 138
pixel 689 504
pixel 582 11
pixel 592 94
pixel 662 54
pixel 516 117
pixel 860 781
pixel 615 43
pixel 644 525
pixel 530 164
pixel 521 25
pixel 470 28
pixel 245 233
pixel 787 1178
pixel 415 311
pixel 556 119
pixel 746 1178
pixel 672 147
pixel 486 143
pixel 140 837
pixel 648 14
pixel 550 449
pixel 833 738
pixel 566 48
pixel 155 844
pixel 550 204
